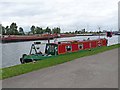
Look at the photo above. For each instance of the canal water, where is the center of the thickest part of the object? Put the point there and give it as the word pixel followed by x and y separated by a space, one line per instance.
pixel 11 52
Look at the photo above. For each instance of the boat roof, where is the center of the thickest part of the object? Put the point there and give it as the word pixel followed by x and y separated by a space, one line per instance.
pixel 72 41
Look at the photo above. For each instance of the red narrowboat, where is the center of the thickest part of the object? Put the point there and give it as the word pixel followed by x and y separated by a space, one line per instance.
pixel 59 48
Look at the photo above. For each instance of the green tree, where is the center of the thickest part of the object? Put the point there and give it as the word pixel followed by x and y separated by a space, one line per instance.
pixel 32 29
pixel 21 31
pixel 38 30
pixel 66 32
pixel 56 30
pixel 7 30
pixel 70 32
pixel 13 29
pixel 73 32
pixel 76 32
pixel 79 32
pixel 43 30
pixel 48 30
pixel 3 30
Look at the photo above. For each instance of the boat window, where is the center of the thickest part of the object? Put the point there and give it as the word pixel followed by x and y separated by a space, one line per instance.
pixel 80 46
pixel 68 48
pixel 50 48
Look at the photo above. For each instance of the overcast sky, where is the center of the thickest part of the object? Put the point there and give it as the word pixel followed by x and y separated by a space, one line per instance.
pixel 70 15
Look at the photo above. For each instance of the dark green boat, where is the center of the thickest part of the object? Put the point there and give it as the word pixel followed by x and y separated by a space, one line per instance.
pixel 35 54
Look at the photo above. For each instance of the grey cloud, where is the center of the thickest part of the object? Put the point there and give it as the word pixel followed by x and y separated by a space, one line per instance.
pixel 21 10
pixel 64 13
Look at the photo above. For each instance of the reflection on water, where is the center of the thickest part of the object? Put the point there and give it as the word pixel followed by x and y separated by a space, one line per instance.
pixel 11 52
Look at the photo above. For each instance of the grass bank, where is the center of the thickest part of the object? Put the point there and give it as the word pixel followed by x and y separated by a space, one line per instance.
pixel 29 67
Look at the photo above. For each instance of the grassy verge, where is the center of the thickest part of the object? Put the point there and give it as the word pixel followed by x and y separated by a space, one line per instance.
pixel 25 68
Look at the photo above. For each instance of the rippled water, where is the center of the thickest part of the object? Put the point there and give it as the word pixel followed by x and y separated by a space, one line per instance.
pixel 11 52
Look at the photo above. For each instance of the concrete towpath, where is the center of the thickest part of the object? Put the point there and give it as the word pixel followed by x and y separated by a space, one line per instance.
pixel 97 71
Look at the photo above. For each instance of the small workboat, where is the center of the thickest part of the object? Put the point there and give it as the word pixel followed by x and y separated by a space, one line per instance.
pixel 58 48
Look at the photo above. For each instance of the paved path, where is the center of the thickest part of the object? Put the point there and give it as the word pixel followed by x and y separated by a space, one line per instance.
pixel 97 71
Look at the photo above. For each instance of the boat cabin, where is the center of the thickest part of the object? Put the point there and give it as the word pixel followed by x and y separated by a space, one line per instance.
pixel 73 46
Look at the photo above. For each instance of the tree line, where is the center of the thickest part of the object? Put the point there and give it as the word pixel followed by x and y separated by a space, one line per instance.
pixel 40 30
pixel 13 29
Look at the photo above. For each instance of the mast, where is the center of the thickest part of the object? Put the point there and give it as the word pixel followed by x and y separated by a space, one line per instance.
pixel 99 31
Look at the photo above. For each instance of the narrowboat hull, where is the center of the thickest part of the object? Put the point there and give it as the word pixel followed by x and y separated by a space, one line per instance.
pixel 53 49
pixel 31 58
